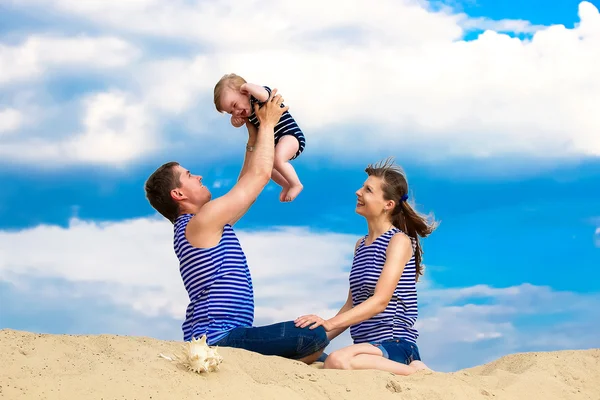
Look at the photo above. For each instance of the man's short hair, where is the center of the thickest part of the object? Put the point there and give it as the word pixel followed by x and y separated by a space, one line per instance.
pixel 158 190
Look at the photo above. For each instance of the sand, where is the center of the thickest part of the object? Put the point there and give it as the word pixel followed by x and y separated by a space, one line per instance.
pixel 78 367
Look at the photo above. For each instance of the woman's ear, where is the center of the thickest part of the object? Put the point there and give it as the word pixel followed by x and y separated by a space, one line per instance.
pixel 390 205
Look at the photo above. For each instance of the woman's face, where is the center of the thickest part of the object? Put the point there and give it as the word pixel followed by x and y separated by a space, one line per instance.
pixel 370 201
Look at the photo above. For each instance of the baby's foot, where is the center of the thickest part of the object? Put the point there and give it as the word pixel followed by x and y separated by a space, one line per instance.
pixel 293 192
pixel 283 194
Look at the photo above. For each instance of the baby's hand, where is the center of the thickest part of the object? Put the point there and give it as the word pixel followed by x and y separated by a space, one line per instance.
pixel 237 121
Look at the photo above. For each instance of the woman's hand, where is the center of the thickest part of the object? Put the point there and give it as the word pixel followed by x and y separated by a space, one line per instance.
pixel 313 321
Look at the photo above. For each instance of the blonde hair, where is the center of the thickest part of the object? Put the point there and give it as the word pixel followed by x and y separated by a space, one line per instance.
pixel 232 81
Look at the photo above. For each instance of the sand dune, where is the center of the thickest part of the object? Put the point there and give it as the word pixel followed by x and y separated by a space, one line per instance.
pixel 69 367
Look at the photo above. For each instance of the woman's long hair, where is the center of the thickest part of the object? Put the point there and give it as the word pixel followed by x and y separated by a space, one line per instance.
pixel 403 216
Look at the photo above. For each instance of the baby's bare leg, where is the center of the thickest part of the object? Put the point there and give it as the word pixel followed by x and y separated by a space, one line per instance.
pixel 281 181
pixel 284 151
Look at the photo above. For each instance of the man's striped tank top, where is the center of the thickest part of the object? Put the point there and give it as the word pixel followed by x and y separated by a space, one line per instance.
pixel 398 319
pixel 218 284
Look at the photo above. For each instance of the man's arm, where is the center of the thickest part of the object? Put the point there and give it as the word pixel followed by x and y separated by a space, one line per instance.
pixel 252 135
pixel 230 207
pixel 255 90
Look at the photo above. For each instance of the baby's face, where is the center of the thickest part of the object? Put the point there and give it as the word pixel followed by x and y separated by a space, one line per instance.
pixel 235 103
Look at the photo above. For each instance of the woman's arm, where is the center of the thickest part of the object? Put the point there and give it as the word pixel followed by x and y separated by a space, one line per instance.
pixel 301 321
pixel 398 253
pixel 338 331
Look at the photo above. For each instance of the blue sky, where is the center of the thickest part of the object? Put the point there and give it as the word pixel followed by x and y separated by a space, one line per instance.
pixel 498 138
pixel 536 12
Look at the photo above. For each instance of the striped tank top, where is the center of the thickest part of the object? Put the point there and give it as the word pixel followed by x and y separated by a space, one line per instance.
pixel 218 283
pixel 398 319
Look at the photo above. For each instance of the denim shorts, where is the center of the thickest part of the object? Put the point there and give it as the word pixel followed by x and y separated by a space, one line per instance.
pixel 398 350
pixel 282 339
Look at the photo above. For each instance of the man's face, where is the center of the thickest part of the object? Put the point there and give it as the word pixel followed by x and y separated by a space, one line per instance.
pixel 191 187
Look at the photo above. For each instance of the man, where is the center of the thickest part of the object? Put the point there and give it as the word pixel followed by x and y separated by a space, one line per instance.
pixel 213 265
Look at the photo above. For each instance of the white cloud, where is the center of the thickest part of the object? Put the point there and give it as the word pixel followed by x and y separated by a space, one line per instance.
pixel 597 237
pixel 289 23
pixel 410 81
pixel 130 265
pixel 462 327
pixel 173 85
pixel 39 53
pixel 114 127
pixel 115 130
pixel 504 25
pixel 10 120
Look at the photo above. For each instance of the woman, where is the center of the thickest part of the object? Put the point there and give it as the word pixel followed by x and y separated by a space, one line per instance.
pixel 381 308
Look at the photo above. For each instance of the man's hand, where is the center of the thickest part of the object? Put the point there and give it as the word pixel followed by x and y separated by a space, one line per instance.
pixel 313 321
pixel 206 227
pixel 237 121
pixel 271 111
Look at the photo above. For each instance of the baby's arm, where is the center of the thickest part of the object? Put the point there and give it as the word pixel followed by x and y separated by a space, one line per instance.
pixel 237 121
pixel 255 90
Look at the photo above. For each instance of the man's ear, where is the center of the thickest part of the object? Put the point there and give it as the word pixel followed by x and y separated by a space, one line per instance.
pixel 177 195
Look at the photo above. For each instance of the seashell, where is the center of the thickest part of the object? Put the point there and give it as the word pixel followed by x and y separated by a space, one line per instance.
pixel 198 356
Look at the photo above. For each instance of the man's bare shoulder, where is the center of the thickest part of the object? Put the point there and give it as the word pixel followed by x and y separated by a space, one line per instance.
pixel 203 231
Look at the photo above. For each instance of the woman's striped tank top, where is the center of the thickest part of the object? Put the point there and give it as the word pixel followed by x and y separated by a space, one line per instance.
pixel 398 318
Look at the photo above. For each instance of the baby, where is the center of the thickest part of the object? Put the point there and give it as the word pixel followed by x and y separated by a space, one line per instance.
pixel 237 97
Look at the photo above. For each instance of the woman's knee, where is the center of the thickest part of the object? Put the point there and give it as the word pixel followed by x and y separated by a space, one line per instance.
pixel 337 360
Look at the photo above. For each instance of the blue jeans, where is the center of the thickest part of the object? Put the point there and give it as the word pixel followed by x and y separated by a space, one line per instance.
pixel 398 350
pixel 281 339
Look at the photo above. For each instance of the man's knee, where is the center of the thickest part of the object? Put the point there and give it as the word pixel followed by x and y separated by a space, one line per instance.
pixel 313 341
pixel 312 357
pixel 320 334
pixel 320 337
